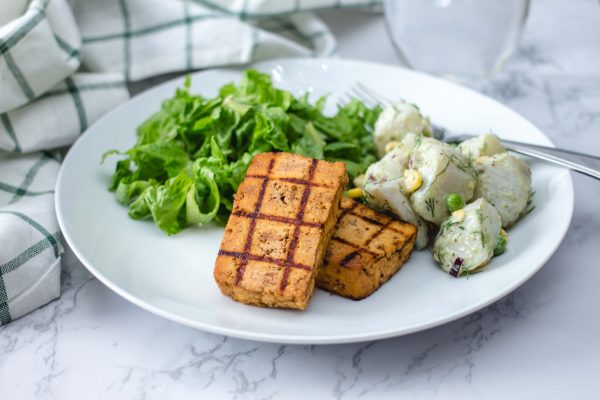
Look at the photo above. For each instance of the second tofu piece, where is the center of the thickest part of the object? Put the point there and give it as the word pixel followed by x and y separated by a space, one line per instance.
pixel 283 216
pixel 366 250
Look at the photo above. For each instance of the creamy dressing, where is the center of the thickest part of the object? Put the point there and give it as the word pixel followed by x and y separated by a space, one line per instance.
pixel 418 173
pixel 483 145
pixel 395 121
pixel 444 170
pixel 466 240
pixel 505 181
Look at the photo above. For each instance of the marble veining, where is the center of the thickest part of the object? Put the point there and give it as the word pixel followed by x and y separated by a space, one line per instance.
pixel 541 341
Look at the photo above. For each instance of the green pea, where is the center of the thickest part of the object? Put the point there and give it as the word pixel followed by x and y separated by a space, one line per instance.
pixel 454 202
pixel 500 245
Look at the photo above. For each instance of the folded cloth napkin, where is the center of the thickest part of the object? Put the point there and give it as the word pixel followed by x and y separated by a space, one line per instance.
pixel 64 64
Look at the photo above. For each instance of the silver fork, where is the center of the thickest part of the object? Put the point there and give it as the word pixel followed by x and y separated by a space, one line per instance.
pixel 584 163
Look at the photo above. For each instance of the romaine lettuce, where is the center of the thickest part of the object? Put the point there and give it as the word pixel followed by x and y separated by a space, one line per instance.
pixel 191 155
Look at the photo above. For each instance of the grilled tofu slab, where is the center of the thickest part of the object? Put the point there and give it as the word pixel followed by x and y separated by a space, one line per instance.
pixel 366 250
pixel 283 217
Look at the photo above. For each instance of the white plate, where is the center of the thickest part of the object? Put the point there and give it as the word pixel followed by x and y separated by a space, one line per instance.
pixel 172 276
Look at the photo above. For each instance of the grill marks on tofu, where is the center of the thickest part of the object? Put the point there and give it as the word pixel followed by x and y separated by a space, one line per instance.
pixel 283 216
pixel 366 250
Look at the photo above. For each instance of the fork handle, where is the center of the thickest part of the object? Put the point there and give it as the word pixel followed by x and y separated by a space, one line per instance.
pixel 583 163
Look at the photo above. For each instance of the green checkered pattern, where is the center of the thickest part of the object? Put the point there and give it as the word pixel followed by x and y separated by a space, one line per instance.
pixel 66 110
pixel 29 236
pixel 46 100
pixel 200 33
pixel 30 248
pixel 20 52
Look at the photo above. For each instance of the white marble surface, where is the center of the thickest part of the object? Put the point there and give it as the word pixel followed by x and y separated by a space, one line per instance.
pixel 542 341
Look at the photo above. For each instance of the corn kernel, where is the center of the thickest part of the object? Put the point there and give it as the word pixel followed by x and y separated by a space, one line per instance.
pixel 355 193
pixel 391 146
pixel 504 234
pixel 412 180
pixel 471 185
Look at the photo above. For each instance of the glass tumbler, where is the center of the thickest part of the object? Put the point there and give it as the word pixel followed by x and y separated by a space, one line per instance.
pixel 465 40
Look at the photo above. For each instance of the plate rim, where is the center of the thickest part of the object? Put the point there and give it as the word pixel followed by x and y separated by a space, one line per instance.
pixel 302 339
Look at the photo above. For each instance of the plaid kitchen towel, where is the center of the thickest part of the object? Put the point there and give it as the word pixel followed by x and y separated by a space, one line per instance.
pixel 65 63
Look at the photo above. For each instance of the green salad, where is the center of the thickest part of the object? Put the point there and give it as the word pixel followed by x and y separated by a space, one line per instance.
pixel 191 155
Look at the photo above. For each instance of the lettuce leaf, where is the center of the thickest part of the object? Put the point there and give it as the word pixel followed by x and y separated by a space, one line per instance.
pixel 192 154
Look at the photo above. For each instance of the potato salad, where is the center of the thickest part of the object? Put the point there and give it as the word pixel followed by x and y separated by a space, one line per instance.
pixel 395 121
pixel 465 194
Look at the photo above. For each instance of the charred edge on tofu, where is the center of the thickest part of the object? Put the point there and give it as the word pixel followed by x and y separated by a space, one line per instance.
pixel 244 256
pixel 351 256
pixel 382 227
pixel 252 257
pixel 344 241
pixel 298 181
pixel 347 210
pixel 300 217
pixel 343 212
pixel 403 259
pixel 375 222
pixel 274 218
pixel 369 220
